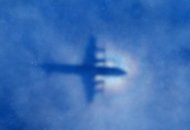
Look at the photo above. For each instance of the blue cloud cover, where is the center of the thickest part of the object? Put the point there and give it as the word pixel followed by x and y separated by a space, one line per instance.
pixel 155 32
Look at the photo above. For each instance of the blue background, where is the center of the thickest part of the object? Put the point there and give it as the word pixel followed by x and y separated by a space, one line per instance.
pixel 156 32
